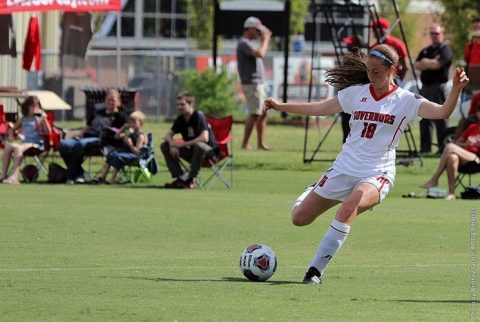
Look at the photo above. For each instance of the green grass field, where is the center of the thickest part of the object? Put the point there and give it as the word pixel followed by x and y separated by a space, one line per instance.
pixel 142 253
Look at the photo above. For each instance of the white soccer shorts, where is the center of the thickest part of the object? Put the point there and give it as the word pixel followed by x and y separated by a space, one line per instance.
pixel 338 186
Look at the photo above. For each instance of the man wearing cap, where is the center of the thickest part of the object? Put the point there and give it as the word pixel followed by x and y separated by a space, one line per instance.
pixel 386 38
pixel 434 62
pixel 251 71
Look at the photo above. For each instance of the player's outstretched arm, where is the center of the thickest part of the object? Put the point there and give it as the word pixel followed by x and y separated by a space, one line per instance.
pixel 432 110
pixel 325 107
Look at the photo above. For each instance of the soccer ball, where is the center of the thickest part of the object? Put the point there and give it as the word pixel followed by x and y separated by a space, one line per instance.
pixel 258 262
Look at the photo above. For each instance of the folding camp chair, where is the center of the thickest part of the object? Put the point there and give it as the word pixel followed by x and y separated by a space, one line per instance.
pixel 222 129
pixel 468 169
pixel 3 126
pixel 39 156
pixel 142 169
pixel 52 143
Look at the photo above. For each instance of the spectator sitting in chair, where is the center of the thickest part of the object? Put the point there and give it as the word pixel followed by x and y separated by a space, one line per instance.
pixel 35 127
pixel 471 116
pixel 133 138
pixel 73 151
pixel 464 150
pixel 198 143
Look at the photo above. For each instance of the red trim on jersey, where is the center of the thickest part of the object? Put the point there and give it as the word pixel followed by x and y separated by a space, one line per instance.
pixel 377 98
pixel 396 131
pixel 383 181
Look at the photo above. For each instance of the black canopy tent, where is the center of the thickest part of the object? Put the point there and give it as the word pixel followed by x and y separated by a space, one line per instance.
pixel 228 21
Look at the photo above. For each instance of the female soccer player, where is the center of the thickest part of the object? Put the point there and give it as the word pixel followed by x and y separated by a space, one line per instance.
pixel 364 171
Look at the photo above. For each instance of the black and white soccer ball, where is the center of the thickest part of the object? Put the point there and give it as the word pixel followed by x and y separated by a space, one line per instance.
pixel 258 262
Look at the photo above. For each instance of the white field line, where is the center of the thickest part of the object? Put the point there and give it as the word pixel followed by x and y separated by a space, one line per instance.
pixel 209 268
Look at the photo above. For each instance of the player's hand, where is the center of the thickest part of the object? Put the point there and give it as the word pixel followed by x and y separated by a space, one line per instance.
pixel 265 33
pixel 460 79
pixel 270 103
pixel 470 141
pixel 176 144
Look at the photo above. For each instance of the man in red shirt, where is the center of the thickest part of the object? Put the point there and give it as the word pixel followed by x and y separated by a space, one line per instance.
pixel 396 43
pixel 471 52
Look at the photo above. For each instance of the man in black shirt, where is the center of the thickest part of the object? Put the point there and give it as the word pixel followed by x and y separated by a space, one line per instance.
pixel 197 144
pixel 434 62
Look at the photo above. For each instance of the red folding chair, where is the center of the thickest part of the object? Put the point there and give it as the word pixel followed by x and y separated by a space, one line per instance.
pixel 3 126
pixel 222 129
pixel 52 144
pixel 56 135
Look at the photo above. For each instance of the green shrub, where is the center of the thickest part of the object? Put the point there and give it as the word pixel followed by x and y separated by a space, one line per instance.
pixel 214 92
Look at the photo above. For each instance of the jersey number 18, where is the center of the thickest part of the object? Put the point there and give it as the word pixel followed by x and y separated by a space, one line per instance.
pixel 368 130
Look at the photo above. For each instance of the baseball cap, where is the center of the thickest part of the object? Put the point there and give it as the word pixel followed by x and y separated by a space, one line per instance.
pixel 381 22
pixel 252 22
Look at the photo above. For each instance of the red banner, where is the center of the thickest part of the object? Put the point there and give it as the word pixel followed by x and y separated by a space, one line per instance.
pixel 9 6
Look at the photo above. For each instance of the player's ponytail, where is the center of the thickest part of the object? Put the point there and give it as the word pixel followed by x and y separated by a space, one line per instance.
pixel 352 69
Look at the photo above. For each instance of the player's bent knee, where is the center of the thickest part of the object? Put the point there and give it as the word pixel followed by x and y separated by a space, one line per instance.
pixel 300 218
pixel 450 147
pixel 452 158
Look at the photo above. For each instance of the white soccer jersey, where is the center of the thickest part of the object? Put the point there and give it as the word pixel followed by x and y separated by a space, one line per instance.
pixel 376 125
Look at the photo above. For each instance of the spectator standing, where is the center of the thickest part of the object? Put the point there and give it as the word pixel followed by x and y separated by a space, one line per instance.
pixel 395 43
pixel 198 143
pixel 471 55
pixel 251 71
pixel 471 52
pixel 434 62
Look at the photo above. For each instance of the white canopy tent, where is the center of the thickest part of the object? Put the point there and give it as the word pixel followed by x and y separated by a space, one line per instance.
pixel 48 99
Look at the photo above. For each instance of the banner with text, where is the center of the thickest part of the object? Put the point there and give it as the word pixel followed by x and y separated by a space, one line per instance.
pixel 10 6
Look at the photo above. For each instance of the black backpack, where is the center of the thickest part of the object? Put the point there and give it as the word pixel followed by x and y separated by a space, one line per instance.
pixel 471 193
pixel 56 173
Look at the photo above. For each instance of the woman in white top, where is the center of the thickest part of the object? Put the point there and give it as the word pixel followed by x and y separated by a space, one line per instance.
pixel 364 171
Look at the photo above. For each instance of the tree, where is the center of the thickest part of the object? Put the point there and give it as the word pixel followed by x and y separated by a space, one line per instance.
pixel 214 91
pixel 200 16
pixel 299 11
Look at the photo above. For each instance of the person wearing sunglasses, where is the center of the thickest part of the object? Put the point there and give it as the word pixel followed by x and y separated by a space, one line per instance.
pixel 434 62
